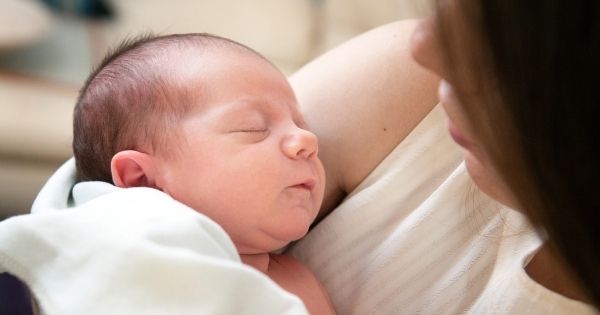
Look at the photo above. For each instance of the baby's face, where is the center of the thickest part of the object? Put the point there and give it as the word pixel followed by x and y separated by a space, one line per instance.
pixel 245 157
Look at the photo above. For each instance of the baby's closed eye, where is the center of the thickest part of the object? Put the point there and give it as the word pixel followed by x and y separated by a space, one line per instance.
pixel 250 133
pixel 252 129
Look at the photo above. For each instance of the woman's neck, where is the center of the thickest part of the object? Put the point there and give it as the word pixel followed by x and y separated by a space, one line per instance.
pixel 549 270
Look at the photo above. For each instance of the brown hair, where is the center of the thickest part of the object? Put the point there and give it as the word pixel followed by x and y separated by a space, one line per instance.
pixel 130 102
pixel 535 68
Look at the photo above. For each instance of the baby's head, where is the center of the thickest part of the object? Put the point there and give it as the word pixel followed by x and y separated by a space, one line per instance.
pixel 136 96
pixel 209 122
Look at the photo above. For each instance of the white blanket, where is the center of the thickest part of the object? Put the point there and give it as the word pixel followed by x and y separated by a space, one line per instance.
pixel 130 251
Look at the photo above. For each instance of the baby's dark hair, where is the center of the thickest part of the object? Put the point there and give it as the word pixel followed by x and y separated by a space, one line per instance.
pixel 131 102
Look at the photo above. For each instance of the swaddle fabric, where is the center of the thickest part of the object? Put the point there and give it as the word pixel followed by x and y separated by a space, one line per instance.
pixel 130 251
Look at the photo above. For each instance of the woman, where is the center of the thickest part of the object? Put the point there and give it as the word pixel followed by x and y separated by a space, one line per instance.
pixel 518 88
pixel 409 237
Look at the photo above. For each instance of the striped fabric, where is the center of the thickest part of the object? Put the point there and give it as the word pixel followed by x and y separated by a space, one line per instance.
pixel 416 237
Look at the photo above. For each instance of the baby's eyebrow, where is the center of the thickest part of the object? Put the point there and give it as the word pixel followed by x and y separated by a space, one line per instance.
pixel 264 108
pixel 238 106
pixel 237 110
pixel 268 110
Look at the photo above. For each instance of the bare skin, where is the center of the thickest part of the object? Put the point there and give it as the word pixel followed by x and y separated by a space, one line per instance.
pixel 294 277
pixel 250 119
pixel 369 90
pixel 353 108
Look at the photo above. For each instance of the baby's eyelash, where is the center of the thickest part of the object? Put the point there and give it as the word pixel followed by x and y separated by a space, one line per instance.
pixel 253 130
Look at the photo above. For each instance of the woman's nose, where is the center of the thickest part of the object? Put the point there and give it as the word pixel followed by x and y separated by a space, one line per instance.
pixel 300 143
pixel 425 46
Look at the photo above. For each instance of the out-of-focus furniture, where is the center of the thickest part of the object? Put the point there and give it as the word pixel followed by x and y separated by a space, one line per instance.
pixel 23 21
pixel 32 112
pixel 41 69
pixel 343 19
pixel 282 30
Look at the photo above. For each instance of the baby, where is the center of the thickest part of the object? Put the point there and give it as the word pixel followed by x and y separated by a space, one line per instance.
pixel 216 126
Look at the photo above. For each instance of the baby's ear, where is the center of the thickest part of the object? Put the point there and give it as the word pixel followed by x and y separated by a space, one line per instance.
pixel 131 168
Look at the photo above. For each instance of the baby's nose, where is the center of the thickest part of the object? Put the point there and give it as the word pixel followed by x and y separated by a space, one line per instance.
pixel 300 143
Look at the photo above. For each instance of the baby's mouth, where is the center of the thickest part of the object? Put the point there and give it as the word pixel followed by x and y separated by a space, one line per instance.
pixel 307 185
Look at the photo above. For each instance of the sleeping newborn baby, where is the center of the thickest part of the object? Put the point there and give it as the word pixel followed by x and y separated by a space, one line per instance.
pixel 214 125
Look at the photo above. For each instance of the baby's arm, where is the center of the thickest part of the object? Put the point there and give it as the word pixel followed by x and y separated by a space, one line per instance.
pixel 295 277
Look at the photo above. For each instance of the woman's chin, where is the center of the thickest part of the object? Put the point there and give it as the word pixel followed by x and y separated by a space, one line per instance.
pixel 488 182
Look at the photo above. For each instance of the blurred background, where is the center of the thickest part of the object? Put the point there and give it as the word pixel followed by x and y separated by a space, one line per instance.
pixel 48 47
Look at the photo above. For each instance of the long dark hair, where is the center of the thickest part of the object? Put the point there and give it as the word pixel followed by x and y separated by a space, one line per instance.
pixel 535 69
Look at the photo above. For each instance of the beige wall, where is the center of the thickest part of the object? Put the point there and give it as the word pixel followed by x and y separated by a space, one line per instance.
pixel 44 59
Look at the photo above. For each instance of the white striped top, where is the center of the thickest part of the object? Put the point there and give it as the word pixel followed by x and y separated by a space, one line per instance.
pixel 416 237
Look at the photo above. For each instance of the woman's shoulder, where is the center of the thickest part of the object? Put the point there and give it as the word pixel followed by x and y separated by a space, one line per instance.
pixel 361 99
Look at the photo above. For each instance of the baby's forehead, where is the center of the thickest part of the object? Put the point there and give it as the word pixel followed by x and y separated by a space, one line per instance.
pixel 204 76
pixel 195 66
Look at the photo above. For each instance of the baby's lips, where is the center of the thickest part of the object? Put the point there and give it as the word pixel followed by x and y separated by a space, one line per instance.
pixel 307 184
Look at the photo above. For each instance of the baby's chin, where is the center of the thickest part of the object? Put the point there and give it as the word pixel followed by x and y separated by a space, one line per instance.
pixel 258 249
pixel 272 241
pixel 275 233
